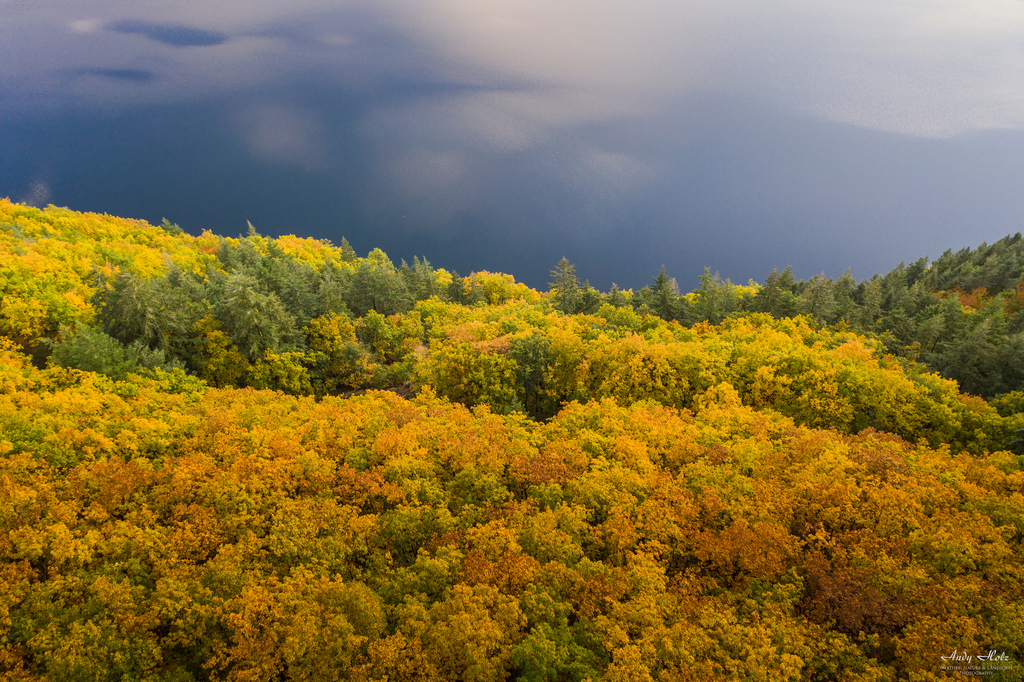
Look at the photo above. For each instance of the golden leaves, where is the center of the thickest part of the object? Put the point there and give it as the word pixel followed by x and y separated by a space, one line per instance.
pixel 248 534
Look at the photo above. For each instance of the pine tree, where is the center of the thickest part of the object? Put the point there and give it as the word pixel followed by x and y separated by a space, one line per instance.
pixel 457 289
pixel 666 291
pixel 615 297
pixel 348 254
pixel 589 300
pixel 565 290
pixel 776 296
pixel 872 302
pixel 817 298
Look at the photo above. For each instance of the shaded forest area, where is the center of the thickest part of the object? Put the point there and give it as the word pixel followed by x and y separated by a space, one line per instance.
pixel 202 479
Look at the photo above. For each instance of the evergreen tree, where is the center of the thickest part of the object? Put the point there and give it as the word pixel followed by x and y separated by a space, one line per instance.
pixel 894 287
pixel 348 254
pixel 665 294
pixel 91 350
pixel 296 283
pixel 159 313
pixel 476 292
pixel 776 296
pixel 170 228
pixel 565 289
pixel 130 308
pixel 457 289
pixel 420 279
pixel 333 291
pixel 916 270
pixel 377 285
pixel 844 290
pixel 873 299
pixel 255 321
pixel 817 298
pixel 615 297
pixel 715 300
pixel 531 357
pixel 589 300
pixel 643 301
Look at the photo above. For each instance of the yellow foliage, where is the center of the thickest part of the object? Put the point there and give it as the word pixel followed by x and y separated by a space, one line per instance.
pixel 760 499
pixel 281 372
pixel 500 288
pixel 223 362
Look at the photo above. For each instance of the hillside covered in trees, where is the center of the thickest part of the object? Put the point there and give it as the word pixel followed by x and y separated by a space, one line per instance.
pixel 264 459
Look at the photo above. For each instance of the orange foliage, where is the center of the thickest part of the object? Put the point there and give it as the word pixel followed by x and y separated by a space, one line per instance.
pixel 759 499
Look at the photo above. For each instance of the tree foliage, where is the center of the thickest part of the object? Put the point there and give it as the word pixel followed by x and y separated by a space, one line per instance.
pixel 162 532
pixel 198 480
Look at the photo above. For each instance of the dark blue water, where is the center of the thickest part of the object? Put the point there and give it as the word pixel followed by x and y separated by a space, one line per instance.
pixel 362 143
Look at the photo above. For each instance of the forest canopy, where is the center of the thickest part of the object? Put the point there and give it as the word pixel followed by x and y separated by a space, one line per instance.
pixel 261 459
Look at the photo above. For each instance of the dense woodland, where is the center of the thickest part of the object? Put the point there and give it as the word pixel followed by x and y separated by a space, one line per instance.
pixel 272 459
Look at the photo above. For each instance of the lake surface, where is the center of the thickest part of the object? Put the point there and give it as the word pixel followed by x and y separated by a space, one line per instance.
pixel 505 135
